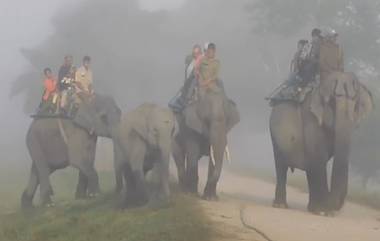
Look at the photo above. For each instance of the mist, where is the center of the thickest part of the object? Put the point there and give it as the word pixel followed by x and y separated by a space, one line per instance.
pixel 138 51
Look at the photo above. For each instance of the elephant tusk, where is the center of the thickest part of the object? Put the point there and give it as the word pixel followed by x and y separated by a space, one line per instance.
pixel 227 154
pixel 212 157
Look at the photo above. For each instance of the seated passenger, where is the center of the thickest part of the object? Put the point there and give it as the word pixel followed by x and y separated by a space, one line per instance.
pixel 187 92
pixel 297 63
pixel 209 70
pixel 66 77
pixel 83 78
pixel 50 96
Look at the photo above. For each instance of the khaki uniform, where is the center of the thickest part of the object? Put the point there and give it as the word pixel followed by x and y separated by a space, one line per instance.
pixel 330 59
pixel 84 77
pixel 209 71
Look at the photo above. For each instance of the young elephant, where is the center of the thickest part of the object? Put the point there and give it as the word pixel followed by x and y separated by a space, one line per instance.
pixel 143 146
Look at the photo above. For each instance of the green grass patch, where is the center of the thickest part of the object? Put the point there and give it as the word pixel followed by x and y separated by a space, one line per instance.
pixel 98 219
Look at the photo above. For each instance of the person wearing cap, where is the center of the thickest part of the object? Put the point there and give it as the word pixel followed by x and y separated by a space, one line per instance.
pixel 209 69
pixel 331 55
pixel 83 77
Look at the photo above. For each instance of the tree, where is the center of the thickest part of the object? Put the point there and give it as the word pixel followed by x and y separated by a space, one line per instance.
pixel 357 22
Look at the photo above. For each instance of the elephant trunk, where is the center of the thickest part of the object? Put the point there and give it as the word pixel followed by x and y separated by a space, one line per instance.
pixel 343 129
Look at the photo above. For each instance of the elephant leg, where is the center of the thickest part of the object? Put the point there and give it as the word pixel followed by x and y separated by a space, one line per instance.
pixel 318 189
pixel 179 157
pixel 82 157
pixel 162 170
pixel 130 187
pixel 280 200
pixel 93 181
pixel 43 172
pixel 88 180
pixel 137 194
pixel 118 167
pixel 192 176
pixel 81 192
pixel 28 194
pixel 218 142
pixel 93 188
pixel 46 190
pixel 118 179
pixel 209 186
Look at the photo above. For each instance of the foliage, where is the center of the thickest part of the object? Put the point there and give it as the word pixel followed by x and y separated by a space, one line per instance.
pixel 99 220
pixel 358 23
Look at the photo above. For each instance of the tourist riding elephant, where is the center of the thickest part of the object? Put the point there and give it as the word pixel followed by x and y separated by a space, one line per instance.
pixel 142 146
pixel 203 129
pixel 306 136
pixel 55 143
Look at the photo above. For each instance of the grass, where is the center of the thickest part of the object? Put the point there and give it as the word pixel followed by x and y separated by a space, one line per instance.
pixel 356 194
pixel 98 220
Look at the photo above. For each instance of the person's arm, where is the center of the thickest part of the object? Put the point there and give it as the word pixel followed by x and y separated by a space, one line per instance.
pixel 78 78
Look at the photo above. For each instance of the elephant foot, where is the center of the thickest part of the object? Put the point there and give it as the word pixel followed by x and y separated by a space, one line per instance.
pixel 80 196
pixel 158 204
pixel 133 200
pixel 26 202
pixel 182 188
pixel 92 195
pixel 280 205
pixel 210 197
pixel 193 194
pixel 48 203
pixel 318 210
pixel 336 205
pixel 118 191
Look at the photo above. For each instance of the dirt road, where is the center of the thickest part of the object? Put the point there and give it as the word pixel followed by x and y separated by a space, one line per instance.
pixel 354 223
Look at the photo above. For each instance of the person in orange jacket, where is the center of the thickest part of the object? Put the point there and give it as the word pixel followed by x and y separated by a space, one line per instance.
pixel 50 96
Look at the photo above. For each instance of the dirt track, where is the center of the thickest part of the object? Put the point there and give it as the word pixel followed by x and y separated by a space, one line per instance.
pixel 354 223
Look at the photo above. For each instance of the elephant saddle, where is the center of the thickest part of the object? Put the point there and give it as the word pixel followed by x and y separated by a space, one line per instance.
pixel 294 93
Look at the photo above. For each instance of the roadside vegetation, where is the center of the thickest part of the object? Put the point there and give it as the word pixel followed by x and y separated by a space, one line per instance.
pixel 98 219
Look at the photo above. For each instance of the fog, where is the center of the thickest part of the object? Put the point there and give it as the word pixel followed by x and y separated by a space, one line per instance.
pixel 138 51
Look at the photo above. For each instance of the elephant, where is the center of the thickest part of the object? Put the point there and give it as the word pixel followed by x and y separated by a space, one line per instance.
pixel 143 148
pixel 307 135
pixel 55 143
pixel 203 128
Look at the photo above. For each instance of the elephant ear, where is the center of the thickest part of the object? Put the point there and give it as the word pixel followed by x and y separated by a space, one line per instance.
pixel 364 104
pixel 85 117
pixel 192 119
pixel 232 114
